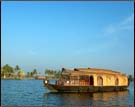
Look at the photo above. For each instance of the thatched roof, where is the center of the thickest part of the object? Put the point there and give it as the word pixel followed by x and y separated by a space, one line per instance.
pixel 86 71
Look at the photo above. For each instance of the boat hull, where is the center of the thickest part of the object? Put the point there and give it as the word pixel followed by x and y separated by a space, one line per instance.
pixel 60 88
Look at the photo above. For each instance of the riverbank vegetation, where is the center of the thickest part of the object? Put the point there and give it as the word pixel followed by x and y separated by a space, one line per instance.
pixel 8 72
pixel 52 74
pixel 16 73
pixel 130 78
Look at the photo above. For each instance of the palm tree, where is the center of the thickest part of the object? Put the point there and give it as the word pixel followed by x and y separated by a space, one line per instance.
pixel 28 74
pixel 130 78
pixel 17 67
pixel 2 73
pixel 47 72
pixel 21 74
pixel 34 72
pixel 8 70
pixel 58 74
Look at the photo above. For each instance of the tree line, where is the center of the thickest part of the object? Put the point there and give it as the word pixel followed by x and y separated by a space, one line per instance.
pixel 52 73
pixel 130 78
pixel 8 72
pixel 17 73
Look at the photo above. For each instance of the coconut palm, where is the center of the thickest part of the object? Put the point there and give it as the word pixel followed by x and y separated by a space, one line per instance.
pixel 34 72
pixel 8 70
pixel 21 74
pixel 17 68
pixel 130 77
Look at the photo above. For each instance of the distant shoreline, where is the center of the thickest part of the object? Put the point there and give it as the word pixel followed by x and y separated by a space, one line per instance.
pixel 19 79
pixel 34 79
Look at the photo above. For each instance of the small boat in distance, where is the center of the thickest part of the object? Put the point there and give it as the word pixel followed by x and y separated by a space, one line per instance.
pixel 89 80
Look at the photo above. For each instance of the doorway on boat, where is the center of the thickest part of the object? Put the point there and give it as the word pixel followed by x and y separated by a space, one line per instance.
pixel 117 82
pixel 100 81
pixel 91 80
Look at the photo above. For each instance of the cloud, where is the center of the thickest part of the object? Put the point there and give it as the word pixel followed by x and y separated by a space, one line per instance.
pixel 125 24
pixel 128 20
pixel 110 37
pixel 109 30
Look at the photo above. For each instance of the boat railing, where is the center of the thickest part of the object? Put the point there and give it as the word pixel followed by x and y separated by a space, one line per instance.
pixel 72 82
pixel 68 82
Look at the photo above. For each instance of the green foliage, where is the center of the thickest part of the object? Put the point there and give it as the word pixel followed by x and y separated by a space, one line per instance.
pixel 17 67
pixel 32 73
pixel 2 72
pixel 130 77
pixel 7 71
pixel 58 74
pixel 52 73
pixel 28 74
pixel 12 73
pixel 21 74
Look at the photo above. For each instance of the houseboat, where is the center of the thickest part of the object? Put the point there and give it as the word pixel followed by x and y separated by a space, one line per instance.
pixel 89 80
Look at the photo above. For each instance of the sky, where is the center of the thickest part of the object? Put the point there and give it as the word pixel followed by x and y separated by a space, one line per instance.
pixel 53 35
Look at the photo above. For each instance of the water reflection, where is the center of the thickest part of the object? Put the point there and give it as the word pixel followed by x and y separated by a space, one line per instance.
pixel 109 95
pixel 85 99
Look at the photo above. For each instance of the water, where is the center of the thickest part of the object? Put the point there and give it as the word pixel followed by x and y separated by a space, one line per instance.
pixel 32 93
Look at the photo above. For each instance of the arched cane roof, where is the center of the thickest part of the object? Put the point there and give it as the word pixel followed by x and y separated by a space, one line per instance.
pixel 87 71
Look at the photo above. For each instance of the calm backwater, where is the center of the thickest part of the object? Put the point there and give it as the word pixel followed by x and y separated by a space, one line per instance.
pixel 32 93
